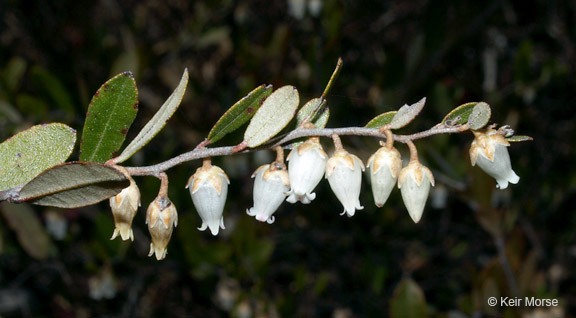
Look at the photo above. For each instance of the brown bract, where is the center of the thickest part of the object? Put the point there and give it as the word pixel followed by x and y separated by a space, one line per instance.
pixel 484 143
pixel 416 171
pixel 310 144
pixel 342 157
pixel 213 174
pixel 386 157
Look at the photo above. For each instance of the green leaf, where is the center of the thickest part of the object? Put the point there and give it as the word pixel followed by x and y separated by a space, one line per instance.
pixel 73 185
pixel 318 118
pixel 28 153
pixel 239 113
pixel 110 115
pixel 157 122
pixel 459 115
pixel 519 138
pixel 29 230
pixel 480 116
pixel 275 113
pixel 408 300
pixel 406 114
pixel 381 120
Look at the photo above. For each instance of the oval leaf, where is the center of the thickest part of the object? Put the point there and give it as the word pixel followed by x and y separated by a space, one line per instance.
pixel 316 110
pixel 519 138
pixel 381 120
pixel 408 300
pixel 29 230
pixel 275 113
pixel 459 115
pixel 73 185
pixel 28 153
pixel 157 122
pixel 480 116
pixel 239 113
pixel 110 115
pixel 406 114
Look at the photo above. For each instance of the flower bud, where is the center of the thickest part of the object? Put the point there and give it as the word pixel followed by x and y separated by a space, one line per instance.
pixel 161 218
pixel 344 173
pixel 384 166
pixel 489 151
pixel 306 166
pixel 270 187
pixel 124 207
pixel 209 188
pixel 414 183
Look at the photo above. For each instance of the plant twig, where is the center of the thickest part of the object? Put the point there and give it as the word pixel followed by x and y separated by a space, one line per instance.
pixel 201 153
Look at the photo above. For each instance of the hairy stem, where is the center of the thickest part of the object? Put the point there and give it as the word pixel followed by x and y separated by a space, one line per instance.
pixel 163 184
pixel 413 151
pixel 201 153
pixel 337 142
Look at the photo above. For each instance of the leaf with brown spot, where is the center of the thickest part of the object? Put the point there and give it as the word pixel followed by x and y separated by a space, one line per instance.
pixel 110 115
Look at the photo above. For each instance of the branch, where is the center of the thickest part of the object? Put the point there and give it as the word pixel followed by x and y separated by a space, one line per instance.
pixel 200 152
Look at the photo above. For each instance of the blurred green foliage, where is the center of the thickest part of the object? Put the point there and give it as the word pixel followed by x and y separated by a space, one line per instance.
pixel 518 56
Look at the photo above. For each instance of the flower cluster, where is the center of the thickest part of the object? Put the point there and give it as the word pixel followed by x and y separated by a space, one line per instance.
pixel 274 183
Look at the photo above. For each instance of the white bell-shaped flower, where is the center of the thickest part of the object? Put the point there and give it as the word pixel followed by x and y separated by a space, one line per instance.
pixel 344 173
pixel 209 188
pixel 489 151
pixel 270 187
pixel 306 166
pixel 384 166
pixel 414 183
pixel 124 206
pixel 161 218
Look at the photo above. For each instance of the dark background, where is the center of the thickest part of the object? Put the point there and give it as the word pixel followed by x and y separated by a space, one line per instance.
pixel 518 56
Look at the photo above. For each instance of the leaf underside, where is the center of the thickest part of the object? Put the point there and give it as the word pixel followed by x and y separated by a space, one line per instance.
pixel 157 122
pixel 479 116
pixel 274 114
pixel 110 115
pixel 519 138
pixel 239 113
pixel 73 185
pixel 406 114
pixel 28 153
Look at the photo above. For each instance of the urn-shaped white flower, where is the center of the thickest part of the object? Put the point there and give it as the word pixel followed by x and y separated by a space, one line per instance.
pixel 124 206
pixel 344 173
pixel 270 187
pixel 209 188
pixel 384 166
pixel 306 166
pixel 161 218
pixel 414 183
pixel 489 151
